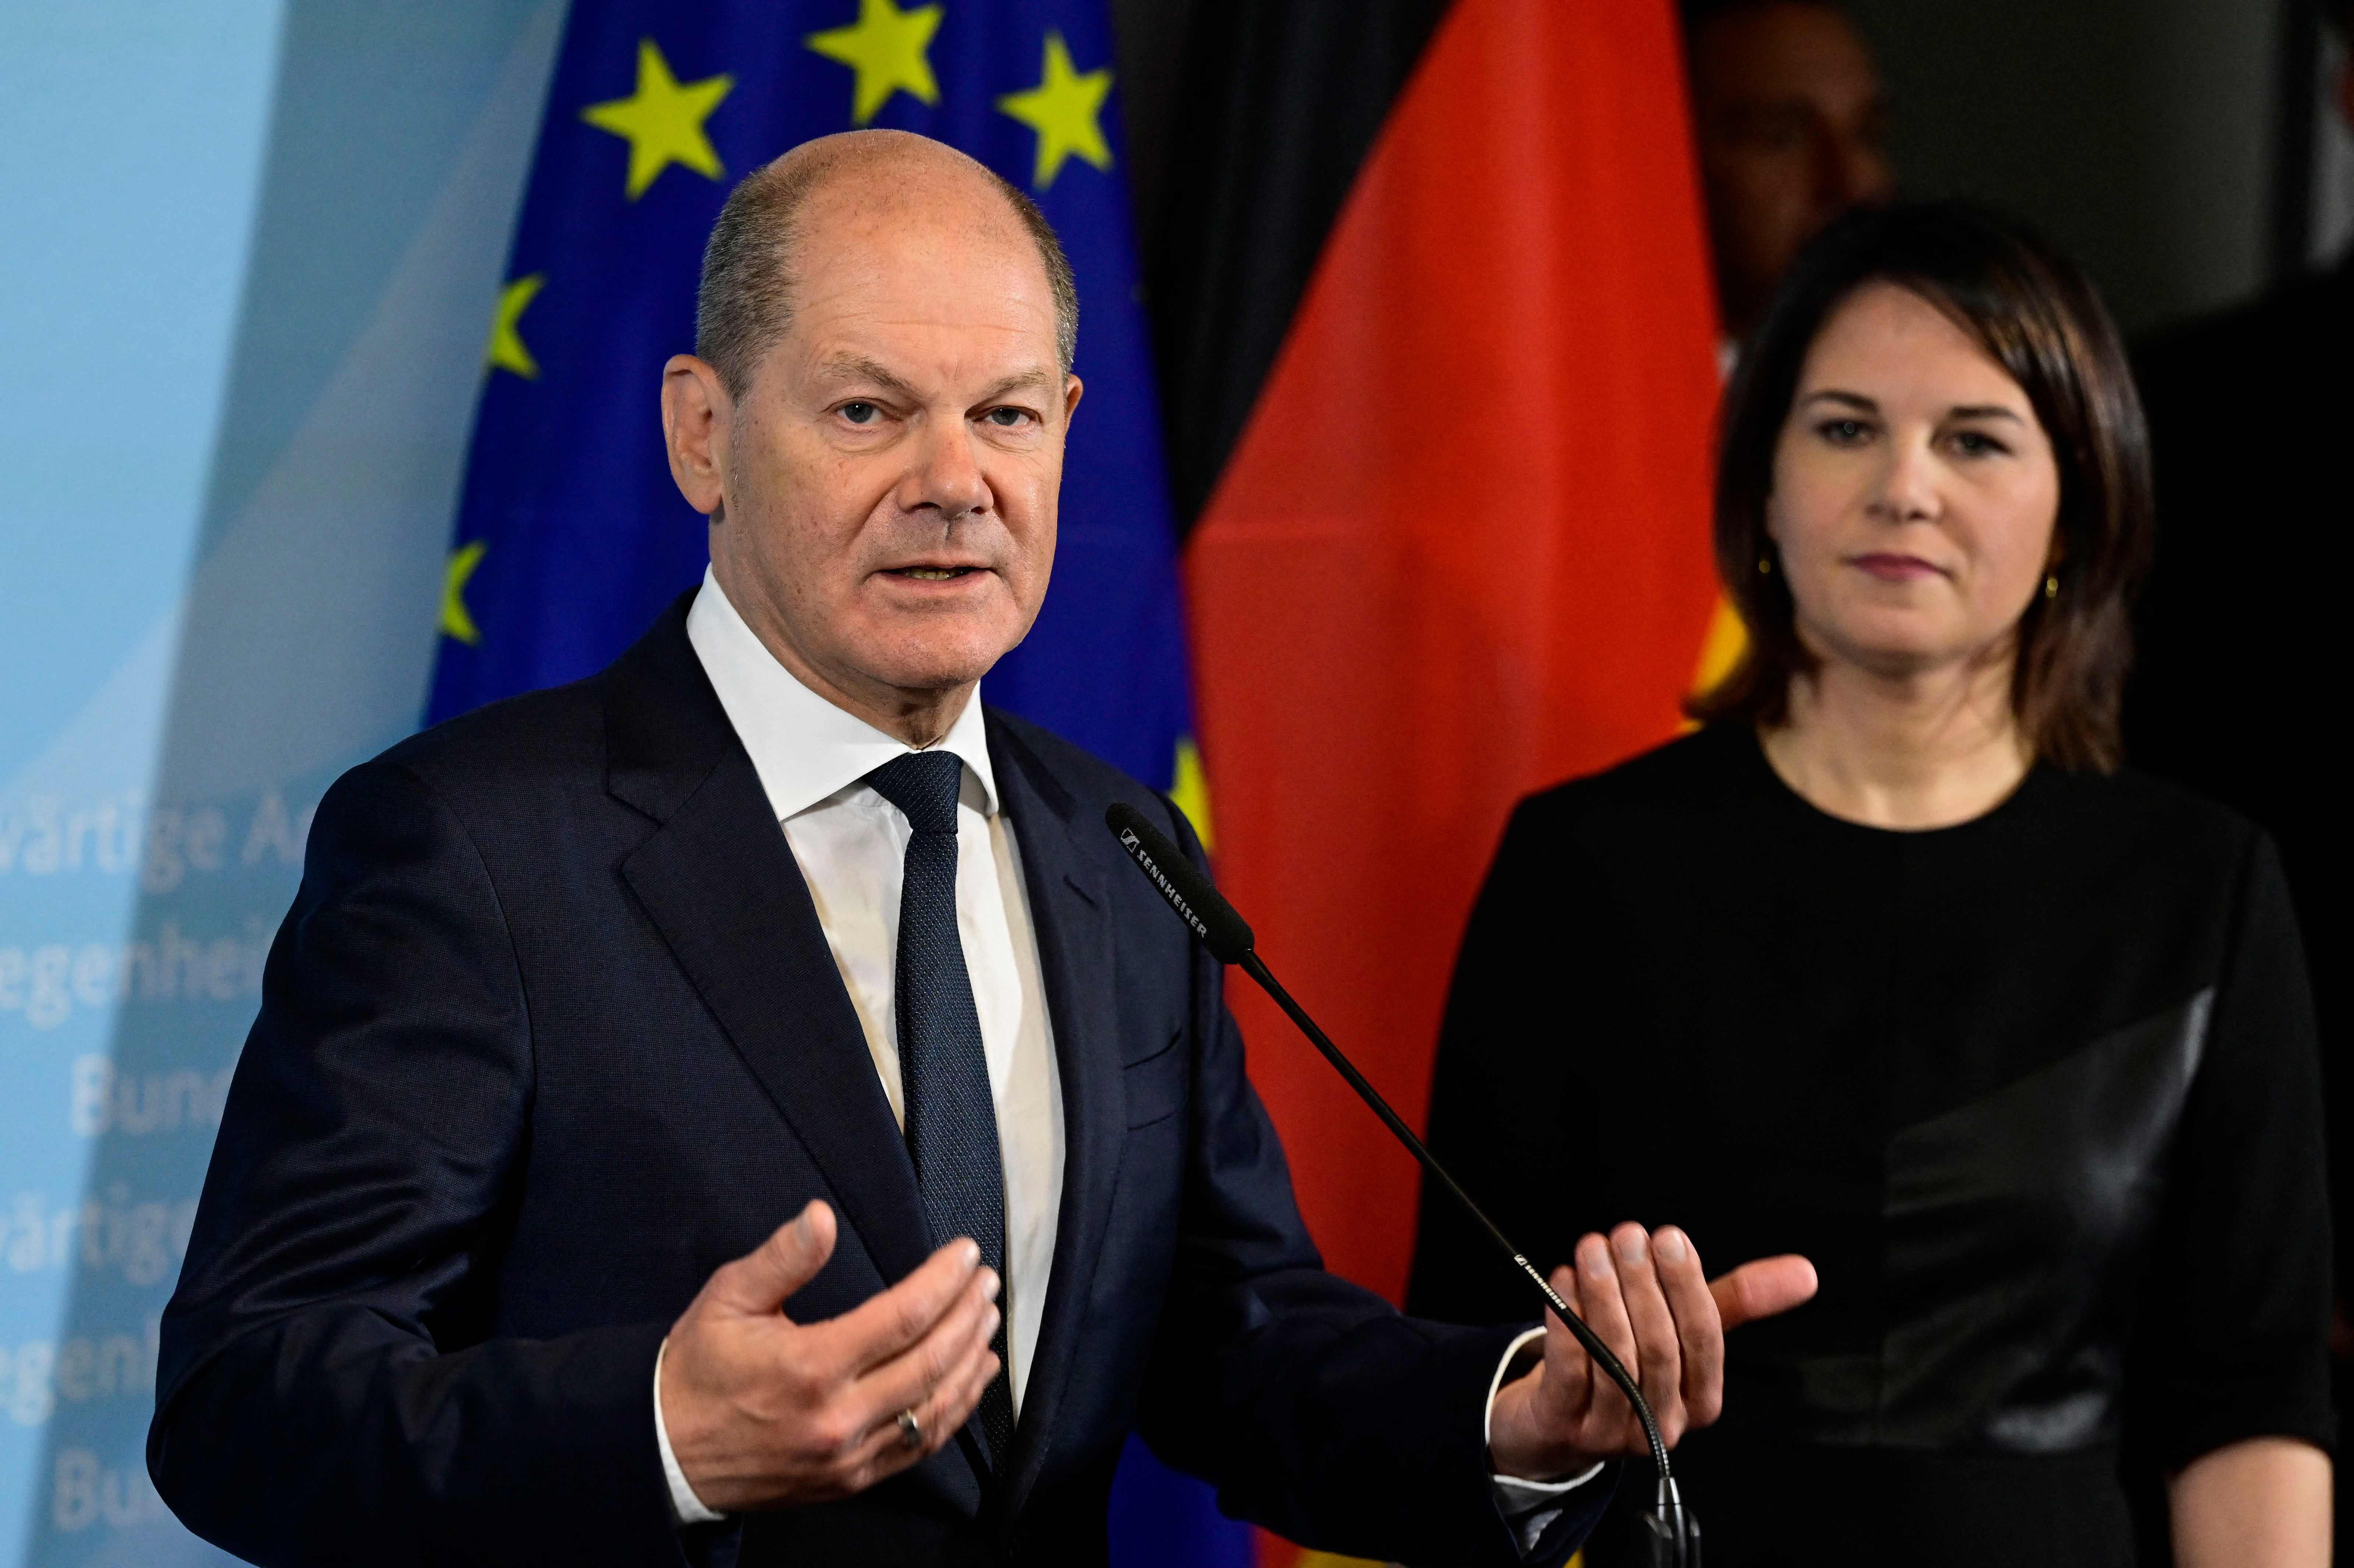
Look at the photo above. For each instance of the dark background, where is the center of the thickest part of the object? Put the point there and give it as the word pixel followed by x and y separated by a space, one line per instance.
pixel 2176 147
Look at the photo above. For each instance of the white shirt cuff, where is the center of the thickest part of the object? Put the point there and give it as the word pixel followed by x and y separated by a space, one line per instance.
pixel 1531 1506
pixel 685 1506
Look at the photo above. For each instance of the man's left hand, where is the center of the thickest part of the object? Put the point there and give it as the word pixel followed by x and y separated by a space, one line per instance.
pixel 1646 1296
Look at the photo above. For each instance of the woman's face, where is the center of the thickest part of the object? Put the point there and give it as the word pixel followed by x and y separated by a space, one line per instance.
pixel 1914 490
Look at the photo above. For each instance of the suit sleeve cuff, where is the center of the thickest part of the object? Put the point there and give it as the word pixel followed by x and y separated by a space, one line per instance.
pixel 685 1506
pixel 1530 1507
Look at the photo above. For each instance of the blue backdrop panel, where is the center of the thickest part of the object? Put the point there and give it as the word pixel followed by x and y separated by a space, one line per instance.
pixel 249 253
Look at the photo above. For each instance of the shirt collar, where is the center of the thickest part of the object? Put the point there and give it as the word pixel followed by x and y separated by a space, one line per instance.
pixel 804 749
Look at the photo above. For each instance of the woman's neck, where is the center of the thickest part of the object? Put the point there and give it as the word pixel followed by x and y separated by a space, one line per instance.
pixel 1926 750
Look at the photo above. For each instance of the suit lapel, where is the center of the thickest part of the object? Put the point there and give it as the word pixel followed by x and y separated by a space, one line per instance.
pixel 720 883
pixel 1068 908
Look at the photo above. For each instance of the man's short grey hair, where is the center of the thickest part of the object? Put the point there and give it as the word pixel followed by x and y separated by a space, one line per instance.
pixel 745 302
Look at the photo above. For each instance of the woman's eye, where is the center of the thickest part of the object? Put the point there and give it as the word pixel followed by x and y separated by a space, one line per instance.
pixel 860 413
pixel 1843 432
pixel 1976 443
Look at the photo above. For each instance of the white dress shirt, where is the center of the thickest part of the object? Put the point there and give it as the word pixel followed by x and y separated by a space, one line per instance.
pixel 813 759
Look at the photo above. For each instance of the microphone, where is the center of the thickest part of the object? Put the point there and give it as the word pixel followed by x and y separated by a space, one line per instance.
pixel 1672 1535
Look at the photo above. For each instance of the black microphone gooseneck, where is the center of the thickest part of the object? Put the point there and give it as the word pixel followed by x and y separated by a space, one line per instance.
pixel 1672 1533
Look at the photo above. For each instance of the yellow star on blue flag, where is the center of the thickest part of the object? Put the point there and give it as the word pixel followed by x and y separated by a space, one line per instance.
pixel 507 350
pixel 456 620
pixel 662 121
pixel 1064 110
pixel 887 49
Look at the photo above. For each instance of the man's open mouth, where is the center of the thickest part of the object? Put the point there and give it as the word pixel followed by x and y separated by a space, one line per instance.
pixel 932 574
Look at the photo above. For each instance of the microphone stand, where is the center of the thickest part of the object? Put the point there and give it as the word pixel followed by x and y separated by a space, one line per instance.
pixel 1668 1524
pixel 1670 1533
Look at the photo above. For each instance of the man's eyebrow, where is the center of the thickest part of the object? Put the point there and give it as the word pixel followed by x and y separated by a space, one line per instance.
pixel 1037 379
pixel 858 367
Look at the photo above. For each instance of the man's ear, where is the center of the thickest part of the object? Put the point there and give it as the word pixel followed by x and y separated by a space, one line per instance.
pixel 1072 387
pixel 697 415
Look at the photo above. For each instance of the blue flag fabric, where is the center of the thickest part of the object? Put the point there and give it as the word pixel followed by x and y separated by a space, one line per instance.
pixel 571 536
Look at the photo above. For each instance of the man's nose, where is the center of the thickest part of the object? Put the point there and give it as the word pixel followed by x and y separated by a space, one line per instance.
pixel 1855 171
pixel 946 477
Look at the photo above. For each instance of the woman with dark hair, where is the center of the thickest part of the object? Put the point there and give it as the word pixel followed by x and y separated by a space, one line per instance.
pixel 2015 1046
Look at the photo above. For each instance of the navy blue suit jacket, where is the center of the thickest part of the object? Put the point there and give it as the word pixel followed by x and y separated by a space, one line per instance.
pixel 551 1032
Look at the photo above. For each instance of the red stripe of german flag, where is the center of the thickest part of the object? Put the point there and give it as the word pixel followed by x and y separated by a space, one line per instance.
pixel 1437 347
pixel 1435 314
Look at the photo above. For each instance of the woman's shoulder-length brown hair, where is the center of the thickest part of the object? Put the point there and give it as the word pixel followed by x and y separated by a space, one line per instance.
pixel 2038 317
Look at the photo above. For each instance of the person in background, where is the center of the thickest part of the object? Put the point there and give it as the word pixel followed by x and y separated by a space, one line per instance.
pixel 2015 1044
pixel 2241 633
pixel 1792 124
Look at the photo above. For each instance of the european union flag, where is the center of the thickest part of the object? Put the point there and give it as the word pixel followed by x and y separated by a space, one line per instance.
pixel 570 535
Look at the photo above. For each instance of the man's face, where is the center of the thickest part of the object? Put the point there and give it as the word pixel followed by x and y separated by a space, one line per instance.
pixel 886 484
pixel 1793 125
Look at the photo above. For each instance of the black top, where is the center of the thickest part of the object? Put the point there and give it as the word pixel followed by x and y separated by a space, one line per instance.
pixel 2036 1094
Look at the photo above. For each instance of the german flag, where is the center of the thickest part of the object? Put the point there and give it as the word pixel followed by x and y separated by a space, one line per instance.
pixel 1437 350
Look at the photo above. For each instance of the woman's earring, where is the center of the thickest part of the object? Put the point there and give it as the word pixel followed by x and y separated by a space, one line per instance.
pixel 1764 566
pixel 2051 585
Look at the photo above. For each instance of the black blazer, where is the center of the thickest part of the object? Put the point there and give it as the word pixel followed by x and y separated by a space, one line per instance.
pixel 551 1032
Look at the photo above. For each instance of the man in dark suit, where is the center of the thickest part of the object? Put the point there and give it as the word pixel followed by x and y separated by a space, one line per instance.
pixel 769 945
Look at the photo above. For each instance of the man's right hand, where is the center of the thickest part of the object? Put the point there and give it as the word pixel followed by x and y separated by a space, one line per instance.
pixel 766 1412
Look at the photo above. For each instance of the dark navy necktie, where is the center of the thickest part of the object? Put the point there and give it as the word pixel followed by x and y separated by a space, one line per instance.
pixel 943 1072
